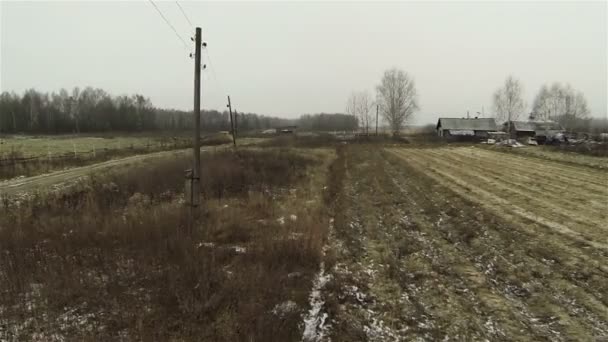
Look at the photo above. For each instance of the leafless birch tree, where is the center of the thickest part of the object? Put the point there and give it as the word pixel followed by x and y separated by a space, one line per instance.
pixel 397 98
pixel 508 100
pixel 359 104
pixel 562 104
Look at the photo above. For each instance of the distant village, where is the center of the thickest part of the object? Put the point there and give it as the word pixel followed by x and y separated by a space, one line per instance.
pixel 529 132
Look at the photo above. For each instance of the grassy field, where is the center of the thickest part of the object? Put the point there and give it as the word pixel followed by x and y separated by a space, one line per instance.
pixel 119 256
pixel 315 240
pixel 552 154
pixel 31 146
pixel 25 156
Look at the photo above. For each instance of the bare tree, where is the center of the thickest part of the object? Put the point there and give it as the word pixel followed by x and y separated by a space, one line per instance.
pixel 397 98
pixel 562 104
pixel 541 108
pixel 365 104
pixel 359 104
pixel 351 104
pixel 508 101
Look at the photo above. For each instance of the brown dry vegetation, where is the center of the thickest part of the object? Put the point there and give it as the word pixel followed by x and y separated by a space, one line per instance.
pixel 414 242
pixel 119 257
pixel 425 255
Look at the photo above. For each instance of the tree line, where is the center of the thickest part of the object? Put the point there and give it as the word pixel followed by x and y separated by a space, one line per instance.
pixel 397 101
pixel 558 102
pixel 92 110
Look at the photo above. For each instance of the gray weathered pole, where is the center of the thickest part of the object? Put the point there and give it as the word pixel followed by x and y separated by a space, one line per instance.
pixel 236 123
pixel 231 122
pixel 196 170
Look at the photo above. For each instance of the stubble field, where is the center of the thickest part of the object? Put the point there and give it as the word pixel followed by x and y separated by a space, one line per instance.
pixel 462 243
pixel 346 242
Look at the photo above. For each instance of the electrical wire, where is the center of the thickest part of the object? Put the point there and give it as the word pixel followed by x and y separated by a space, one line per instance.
pixel 184 13
pixel 213 73
pixel 170 25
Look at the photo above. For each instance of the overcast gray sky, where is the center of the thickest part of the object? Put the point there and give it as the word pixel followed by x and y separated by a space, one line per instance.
pixel 289 58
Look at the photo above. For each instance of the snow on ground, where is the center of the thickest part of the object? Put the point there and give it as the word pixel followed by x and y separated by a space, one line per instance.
pixel 316 326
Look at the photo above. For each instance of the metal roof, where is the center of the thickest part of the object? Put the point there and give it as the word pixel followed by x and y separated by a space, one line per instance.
pixel 548 125
pixel 533 126
pixel 484 124
pixel 523 126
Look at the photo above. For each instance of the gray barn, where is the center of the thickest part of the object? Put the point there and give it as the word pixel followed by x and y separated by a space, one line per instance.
pixel 474 127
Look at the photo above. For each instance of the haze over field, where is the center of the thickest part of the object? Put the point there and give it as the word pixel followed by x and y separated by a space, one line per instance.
pixel 285 59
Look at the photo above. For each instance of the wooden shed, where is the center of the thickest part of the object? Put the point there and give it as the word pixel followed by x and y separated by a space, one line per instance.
pixel 474 127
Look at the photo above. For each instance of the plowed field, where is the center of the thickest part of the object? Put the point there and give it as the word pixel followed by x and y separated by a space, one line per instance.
pixel 468 244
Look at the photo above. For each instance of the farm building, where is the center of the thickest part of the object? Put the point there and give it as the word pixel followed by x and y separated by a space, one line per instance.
pixel 474 127
pixel 546 130
pixel 541 130
pixel 520 129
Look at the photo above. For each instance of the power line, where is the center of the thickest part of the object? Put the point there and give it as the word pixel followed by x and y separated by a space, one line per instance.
pixel 184 13
pixel 217 81
pixel 171 26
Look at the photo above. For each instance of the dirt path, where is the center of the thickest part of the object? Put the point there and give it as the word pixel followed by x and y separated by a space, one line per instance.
pixel 60 178
pixel 419 256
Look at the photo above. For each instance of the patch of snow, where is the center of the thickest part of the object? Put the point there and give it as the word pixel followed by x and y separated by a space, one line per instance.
pixel 285 308
pixel 293 217
pixel 378 331
pixel 206 244
pixel 314 322
pixel 281 220
pixel 239 249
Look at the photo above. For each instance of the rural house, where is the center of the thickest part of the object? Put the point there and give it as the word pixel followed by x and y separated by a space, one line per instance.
pixel 474 127
pixel 541 130
pixel 547 130
pixel 520 129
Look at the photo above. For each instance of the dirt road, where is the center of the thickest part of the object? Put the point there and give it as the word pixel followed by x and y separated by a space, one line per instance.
pixel 467 244
pixel 59 179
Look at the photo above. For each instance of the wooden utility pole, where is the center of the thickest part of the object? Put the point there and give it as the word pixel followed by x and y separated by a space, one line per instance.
pixel 231 123
pixel 196 169
pixel 236 123
pixel 376 120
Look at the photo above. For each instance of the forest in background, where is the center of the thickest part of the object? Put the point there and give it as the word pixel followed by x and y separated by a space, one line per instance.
pixel 93 110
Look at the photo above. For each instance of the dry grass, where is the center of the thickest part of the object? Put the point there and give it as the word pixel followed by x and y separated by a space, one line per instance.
pixel 417 259
pixel 121 258
pixel 301 141
pixel 33 156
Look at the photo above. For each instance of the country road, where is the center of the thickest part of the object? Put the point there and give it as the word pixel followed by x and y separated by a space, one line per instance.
pixel 58 178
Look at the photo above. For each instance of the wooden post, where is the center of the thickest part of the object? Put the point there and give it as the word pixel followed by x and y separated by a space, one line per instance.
pixel 196 169
pixel 231 122
pixel 236 123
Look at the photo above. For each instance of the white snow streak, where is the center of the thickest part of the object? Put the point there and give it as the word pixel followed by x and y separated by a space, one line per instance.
pixel 314 323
